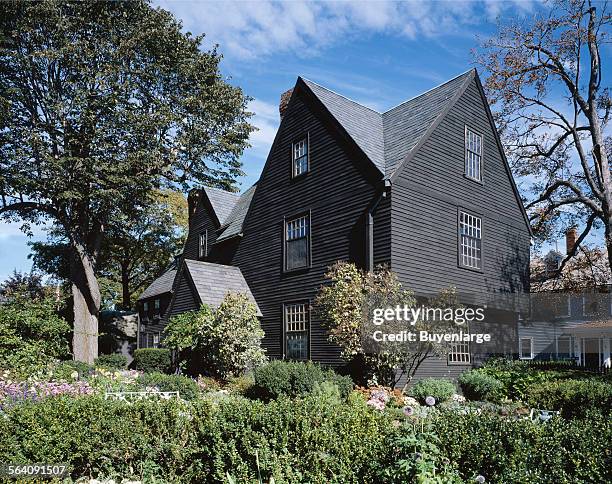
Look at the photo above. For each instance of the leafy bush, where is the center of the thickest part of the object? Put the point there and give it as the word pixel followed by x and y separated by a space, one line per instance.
pixel 508 450
pixel 152 359
pixel 439 388
pixel 32 334
pixel 295 379
pixel 188 388
pixel 308 440
pixel 221 342
pixel 113 362
pixel 477 385
pixel 572 397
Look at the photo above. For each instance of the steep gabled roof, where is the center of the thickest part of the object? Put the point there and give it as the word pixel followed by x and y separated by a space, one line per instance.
pixel 222 202
pixel 213 281
pixel 387 138
pixel 161 285
pixel 364 125
pixel 405 125
pixel 233 223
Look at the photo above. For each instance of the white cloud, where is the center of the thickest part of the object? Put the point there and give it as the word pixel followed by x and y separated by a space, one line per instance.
pixel 266 119
pixel 251 29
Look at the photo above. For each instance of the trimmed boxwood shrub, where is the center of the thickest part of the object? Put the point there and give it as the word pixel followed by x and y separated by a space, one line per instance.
pixel 505 450
pixel 304 440
pixel 294 378
pixel 187 387
pixel 572 397
pixel 439 388
pixel 112 362
pixel 477 385
pixel 152 359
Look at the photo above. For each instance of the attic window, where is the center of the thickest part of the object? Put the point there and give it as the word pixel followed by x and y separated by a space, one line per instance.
pixel 203 245
pixel 300 157
pixel 473 155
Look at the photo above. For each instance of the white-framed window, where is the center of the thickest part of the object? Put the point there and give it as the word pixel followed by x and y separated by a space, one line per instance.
pixel 459 353
pixel 157 303
pixel 156 340
pixel 297 242
pixel 203 245
pixel 473 155
pixel 297 329
pixel 526 348
pixel 470 243
pixel 300 157
pixel 564 347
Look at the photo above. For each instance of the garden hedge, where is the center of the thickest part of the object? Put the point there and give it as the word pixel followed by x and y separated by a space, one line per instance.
pixel 113 361
pixel 439 388
pixel 152 359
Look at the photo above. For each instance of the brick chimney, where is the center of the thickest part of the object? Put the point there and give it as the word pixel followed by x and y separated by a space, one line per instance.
pixel 192 202
pixel 570 239
pixel 284 102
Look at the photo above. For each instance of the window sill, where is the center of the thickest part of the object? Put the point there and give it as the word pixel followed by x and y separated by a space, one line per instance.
pixel 297 270
pixel 473 269
pixel 475 180
pixel 300 176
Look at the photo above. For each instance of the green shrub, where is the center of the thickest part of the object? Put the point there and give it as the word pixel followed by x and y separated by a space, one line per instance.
pixel 477 385
pixel 506 450
pixel 308 440
pixel 222 342
pixel 439 388
pixel 241 384
pixel 32 334
pixel 63 370
pixel 112 362
pixel 152 359
pixel 187 387
pixel 572 397
pixel 295 379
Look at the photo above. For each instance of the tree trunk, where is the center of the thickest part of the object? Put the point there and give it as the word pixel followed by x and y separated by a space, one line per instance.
pixel 86 301
pixel 608 240
pixel 125 286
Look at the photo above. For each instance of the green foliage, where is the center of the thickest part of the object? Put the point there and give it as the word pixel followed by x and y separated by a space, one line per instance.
pixel 347 304
pixel 508 450
pixel 294 379
pixel 152 359
pixel 112 362
pixel 574 398
pixel 32 334
pixel 478 385
pixel 63 370
pixel 418 458
pixel 222 342
pixel 187 387
pixel 309 440
pixel 439 388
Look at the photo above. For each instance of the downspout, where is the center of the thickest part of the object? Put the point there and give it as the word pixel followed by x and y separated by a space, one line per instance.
pixel 370 223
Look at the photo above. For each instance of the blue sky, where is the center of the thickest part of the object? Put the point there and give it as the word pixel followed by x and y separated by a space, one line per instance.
pixel 377 53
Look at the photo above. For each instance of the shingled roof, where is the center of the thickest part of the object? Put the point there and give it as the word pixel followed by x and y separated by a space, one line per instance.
pixel 233 223
pixel 222 202
pixel 161 285
pixel 213 281
pixel 387 138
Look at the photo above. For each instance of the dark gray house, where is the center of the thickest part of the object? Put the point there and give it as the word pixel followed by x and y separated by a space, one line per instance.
pixel 424 188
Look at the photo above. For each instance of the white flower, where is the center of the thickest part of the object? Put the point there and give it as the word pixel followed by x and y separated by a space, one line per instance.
pixel 74 375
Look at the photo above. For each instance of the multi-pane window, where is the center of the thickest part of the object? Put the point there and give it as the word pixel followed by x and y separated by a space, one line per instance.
pixel 470 231
pixel 459 353
pixel 155 340
pixel 473 155
pixel 297 242
pixel 300 157
pixel 296 330
pixel 203 245
pixel 564 347
pixel 157 304
pixel 526 348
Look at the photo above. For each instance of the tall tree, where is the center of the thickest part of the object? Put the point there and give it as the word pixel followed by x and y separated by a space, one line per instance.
pixel 546 79
pixel 101 104
pixel 138 246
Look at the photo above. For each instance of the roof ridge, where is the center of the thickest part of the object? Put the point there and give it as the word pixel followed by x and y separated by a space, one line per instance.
pixel 341 95
pixel 195 261
pixel 221 190
pixel 430 90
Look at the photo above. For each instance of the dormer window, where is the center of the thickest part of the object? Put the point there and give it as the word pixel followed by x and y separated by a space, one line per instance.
pixel 473 155
pixel 300 157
